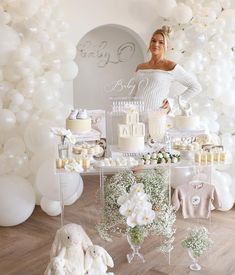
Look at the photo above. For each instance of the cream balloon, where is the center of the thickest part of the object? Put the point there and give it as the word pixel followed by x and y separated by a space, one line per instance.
pixel 38 136
pixel 52 208
pixel 71 200
pixel 26 8
pixel 182 13
pixel 65 50
pixel 165 8
pixel 17 200
pixel 68 70
pixel 15 145
pixel 9 42
pixel 180 175
pixel 49 183
pixel 7 120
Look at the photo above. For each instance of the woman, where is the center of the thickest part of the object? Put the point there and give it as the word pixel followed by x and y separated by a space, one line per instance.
pixel 154 78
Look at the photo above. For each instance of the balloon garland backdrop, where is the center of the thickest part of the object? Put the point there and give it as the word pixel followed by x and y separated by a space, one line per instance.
pixel 35 61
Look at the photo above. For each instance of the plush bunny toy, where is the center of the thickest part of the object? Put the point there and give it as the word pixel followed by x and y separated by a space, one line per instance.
pixel 67 252
pixel 96 261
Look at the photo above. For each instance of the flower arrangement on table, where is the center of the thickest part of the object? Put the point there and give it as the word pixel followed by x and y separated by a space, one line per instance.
pixel 140 203
pixel 64 134
pixel 197 241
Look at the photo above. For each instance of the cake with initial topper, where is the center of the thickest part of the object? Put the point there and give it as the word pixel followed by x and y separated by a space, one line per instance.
pixel 186 120
pixel 78 121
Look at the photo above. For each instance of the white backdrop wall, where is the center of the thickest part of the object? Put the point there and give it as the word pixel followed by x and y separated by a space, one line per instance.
pixel 84 16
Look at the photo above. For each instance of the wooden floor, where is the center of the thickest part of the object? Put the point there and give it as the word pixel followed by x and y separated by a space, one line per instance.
pixel 24 249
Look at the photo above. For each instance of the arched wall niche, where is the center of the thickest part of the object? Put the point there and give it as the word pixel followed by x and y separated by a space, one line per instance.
pixel 107 57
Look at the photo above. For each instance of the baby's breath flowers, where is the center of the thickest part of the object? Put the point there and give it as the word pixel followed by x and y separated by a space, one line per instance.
pixel 138 202
pixel 197 241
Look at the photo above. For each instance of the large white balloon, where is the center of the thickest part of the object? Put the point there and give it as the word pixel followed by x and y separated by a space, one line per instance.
pixel 52 208
pixel 8 43
pixel 71 200
pixel 181 175
pixel 165 8
pixel 15 145
pixel 182 13
pixel 7 120
pixel 65 50
pixel 49 183
pixel 38 136
pixel 26 8
pixel 69 70
pixel 17 200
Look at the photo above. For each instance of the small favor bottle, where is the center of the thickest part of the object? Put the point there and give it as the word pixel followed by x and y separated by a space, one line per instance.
pixel 203 157
pixel 197 157
pixel 210 157
pixel 222 156
pixel 216 155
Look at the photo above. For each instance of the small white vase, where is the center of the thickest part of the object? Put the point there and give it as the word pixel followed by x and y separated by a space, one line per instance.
pixel 195 266
pixel 135 238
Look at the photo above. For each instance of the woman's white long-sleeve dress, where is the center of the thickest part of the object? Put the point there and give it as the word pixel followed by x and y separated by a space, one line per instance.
pixel 153 85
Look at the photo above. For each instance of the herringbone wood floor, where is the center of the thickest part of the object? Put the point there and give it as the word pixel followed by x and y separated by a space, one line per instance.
pixel 24 249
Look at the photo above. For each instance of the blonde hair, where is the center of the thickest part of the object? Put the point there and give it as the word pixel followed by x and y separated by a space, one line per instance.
pixel 165 32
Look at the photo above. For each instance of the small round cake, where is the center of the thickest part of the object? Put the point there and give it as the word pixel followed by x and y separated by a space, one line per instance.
pixel 186 122
pixel 78 121
pixel 78 125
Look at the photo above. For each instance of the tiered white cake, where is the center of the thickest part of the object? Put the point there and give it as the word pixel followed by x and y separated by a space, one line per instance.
pixel 131 133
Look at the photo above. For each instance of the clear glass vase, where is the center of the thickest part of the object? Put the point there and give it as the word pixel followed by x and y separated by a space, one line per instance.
pixel 63 150
pixel 135 238
pixel 195 266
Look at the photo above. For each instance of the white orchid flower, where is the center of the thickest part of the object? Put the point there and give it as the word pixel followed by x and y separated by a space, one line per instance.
pixel 145 217
pixel 61 131
pixel 127 208
pixel 122 199
pixel 131 221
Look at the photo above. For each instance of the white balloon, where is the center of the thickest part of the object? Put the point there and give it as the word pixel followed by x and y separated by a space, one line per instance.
pixel 180 175
pixel 22 116
pixel 38 136
pixel 17 98
pixel 49 183
pixel 229 17
pixel 226 4
pixel 9 42
pixel 165 8
pixel 7 120
pixel 15 145
pixel 20 166
pixel 27 105
pixel 71 200
pixel 226 124
pixel 69 70
pixel 52 208
pixel 53 79
pixel 40 157
pixel 5 17
pixel 17 200
pixel 227 140
pixel 65 50
pixel 182 13
pixel 22 53
pixel 26 8
pixel 44 99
